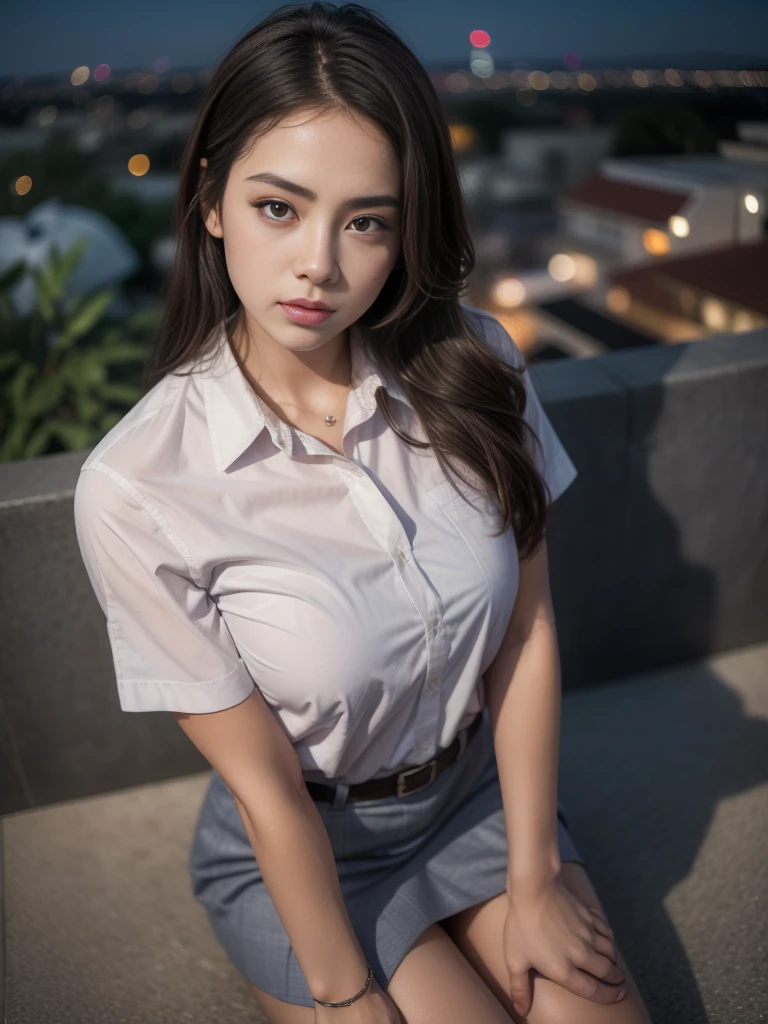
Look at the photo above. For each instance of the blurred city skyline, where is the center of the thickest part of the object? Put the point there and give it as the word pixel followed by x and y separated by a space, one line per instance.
pixel 48 38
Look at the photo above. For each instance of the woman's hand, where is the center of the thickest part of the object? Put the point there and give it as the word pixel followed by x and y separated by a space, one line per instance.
pixel 375 1007
pixel 552 931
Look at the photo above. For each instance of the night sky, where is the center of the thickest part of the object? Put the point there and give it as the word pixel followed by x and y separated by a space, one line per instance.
pixel 48 37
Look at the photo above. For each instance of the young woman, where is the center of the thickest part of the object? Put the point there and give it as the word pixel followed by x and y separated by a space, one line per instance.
pixel 319 541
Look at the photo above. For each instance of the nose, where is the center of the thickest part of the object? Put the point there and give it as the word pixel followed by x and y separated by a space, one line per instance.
pixel 317 255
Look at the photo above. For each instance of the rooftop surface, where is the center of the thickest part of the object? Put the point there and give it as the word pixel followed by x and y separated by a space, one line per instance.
pixel 665 780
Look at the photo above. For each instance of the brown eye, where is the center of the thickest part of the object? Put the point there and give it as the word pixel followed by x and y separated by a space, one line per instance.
pixel 373 220
pixel 271 203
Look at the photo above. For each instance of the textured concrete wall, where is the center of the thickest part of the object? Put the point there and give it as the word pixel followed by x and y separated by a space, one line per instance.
pixel 658 551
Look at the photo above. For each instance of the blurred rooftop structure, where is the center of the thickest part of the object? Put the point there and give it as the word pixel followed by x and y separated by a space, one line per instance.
pixel 642 250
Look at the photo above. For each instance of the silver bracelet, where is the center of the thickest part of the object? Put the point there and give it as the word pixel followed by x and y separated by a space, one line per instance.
pixel 363 990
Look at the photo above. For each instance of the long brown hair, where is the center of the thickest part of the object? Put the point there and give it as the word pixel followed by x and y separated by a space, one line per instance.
pixel 326 57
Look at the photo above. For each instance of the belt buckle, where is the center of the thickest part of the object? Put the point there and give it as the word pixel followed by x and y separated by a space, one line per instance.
pixel 401 776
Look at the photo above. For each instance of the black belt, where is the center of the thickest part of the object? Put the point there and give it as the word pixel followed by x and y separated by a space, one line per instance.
pixel 410 780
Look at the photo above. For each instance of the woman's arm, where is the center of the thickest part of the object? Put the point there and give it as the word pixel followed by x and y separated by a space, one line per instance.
pixel 247 747
pixel 523 696
pixel 547 927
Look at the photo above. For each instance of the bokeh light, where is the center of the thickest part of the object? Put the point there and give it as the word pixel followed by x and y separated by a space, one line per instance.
pixel 457 82
pixel 463 136
pixel 561 267
pixel 509 292
pixel 714 314
pixel 22 185
pixel 79 75
pixel 481 63
pixel 656 242
pixel 101 72
pixel 138 164
pixel 679 227
pixel 575 267
pixel 479 39
pixel 751 203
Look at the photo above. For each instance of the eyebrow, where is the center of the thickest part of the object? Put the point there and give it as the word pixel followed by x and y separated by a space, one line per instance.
pixel 356 203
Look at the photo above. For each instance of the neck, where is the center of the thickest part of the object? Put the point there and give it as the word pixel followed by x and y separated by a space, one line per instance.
pixel 312 382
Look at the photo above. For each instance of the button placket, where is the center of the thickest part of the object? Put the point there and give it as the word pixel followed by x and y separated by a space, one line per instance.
pixel 387 530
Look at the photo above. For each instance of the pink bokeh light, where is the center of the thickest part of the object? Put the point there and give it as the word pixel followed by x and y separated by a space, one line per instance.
pixel 479 38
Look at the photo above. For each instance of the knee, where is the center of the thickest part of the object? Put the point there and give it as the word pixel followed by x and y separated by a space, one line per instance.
pixel 553 1004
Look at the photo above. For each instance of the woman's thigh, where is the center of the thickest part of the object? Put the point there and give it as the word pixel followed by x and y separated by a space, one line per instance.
pixel 433 984
pixel 477 932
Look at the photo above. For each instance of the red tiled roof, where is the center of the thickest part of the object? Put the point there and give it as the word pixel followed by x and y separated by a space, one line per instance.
pixel 640 201
pixel 737 274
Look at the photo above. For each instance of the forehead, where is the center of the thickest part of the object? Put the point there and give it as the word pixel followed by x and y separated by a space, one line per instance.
pixel 324 145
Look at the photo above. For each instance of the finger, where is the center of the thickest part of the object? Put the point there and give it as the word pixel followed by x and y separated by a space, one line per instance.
pixel 601 924
pixel 602 968
pixel 520 990
pixel 583 983
pixel 605 946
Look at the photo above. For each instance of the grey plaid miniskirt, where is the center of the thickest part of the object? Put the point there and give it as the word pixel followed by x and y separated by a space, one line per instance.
pixel 403 863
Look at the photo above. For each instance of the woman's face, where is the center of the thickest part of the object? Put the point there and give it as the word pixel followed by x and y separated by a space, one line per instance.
pixel 328 231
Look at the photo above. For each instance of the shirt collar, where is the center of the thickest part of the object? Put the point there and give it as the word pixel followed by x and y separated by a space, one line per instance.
pixel 236 415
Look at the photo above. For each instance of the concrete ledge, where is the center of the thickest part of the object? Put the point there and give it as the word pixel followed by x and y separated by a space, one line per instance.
pixel 658 554
pixel 665 781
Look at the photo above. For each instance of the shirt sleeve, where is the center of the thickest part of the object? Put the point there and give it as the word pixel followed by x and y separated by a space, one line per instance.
pixel 552 460
pixel 171 648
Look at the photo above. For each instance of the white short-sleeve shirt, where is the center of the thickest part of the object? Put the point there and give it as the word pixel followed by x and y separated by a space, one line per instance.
pixel 360 593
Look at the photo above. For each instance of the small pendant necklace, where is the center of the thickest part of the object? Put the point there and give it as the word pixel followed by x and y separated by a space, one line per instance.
pixel 330 420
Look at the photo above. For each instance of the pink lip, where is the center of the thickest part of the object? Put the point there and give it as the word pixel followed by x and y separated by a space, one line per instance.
pixel 308 303
pixel 303 315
